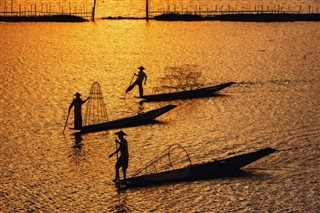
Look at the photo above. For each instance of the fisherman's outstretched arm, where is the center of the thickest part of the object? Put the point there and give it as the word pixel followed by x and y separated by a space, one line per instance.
pixel 70 107
pixel 118 149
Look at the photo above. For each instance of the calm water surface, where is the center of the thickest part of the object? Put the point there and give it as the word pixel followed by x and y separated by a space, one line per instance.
pixel 275 103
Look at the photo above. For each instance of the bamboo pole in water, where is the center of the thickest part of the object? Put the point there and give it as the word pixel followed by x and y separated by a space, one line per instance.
pixel 11 7
pixel 94 10
pixel 147 10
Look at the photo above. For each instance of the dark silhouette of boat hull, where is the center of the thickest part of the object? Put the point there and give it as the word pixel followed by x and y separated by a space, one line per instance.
pixel 217 168
pixel 140 119
pixel 187 94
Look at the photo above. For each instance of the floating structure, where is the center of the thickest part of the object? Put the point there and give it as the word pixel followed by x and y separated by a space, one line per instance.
pixel 217 168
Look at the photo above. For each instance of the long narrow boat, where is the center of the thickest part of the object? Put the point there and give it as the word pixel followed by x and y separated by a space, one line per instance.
pixel 187 94
pixel 140 119
pixel 217 168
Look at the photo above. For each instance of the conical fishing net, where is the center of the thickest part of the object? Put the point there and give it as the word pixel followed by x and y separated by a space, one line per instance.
pixel 96 111
pixel 179 78
pixel 175 157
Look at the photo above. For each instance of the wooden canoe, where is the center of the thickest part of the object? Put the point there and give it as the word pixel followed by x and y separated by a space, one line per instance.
pixel 140 119
pixel 187 94
pixel 217 168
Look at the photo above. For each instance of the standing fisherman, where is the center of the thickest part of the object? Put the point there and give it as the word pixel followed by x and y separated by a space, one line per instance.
pixel 77 103
pixel 123 160
pixel 140 77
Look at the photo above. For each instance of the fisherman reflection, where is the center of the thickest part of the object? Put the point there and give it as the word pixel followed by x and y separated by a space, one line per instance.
pixel 78 152
pixel 77 140
pixel 120 203
pixel 123 160
pixel 77 103
pixel 139 81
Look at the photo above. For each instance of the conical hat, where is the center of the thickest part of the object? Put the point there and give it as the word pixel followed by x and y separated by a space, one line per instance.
pixel 120 133
pixel 77 94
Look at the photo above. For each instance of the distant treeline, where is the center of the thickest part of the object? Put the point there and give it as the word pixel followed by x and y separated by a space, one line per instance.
pixel 53 18
pixel 259 17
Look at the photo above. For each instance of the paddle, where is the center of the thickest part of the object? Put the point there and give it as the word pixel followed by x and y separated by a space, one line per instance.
pixel 128 86
pixel 66 122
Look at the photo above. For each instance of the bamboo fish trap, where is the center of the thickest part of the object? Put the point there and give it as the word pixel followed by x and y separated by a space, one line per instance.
pixel 96 111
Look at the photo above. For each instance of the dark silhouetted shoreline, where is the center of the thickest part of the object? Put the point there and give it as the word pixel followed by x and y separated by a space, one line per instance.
pixel 47 18
pixel 259 17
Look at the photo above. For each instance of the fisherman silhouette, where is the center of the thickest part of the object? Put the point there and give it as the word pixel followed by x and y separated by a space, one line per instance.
pixel 77 103
pixel 140 77
pixel 123 160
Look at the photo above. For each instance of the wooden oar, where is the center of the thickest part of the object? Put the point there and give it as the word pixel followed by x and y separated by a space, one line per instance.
pixel 128 87
pixel 66 122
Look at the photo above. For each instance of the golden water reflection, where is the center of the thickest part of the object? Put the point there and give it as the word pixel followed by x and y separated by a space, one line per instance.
pixel 274 103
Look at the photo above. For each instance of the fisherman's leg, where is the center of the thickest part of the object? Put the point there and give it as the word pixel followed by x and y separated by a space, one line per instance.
pixel 124 171
pixel 131 86
pixel 80 122
pixel 117 175
pixel 140 90
pixel 77 121
pixel 117 171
